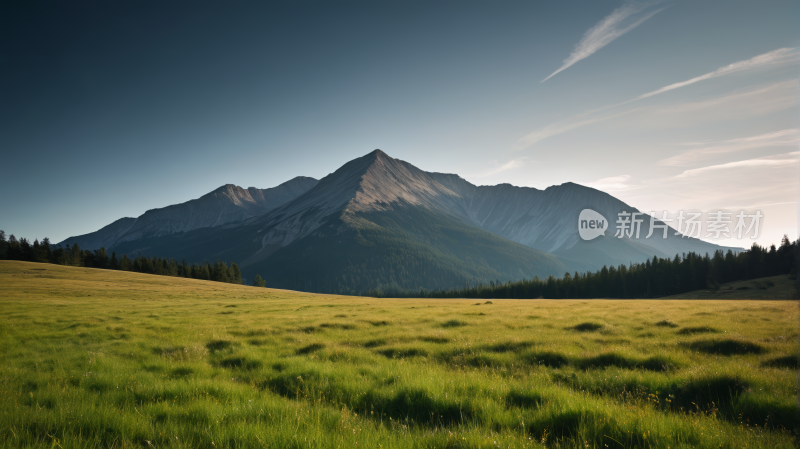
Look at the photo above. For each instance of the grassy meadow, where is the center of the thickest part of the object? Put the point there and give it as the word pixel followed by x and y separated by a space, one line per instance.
pixel 94 358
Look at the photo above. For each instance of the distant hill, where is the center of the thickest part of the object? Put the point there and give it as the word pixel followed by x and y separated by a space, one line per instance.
pixel 773 287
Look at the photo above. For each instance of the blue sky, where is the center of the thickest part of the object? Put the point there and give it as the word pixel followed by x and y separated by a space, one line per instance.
pixel 109 110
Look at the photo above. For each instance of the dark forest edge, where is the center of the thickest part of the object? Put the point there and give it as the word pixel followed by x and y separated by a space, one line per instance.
pixel 657 277
pixel 44 252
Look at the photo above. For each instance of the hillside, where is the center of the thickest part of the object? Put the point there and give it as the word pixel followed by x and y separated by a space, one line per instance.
pixel 773 287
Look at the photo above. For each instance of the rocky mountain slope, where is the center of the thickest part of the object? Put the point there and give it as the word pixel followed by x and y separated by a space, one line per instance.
pixel 226 204
pixel 548 219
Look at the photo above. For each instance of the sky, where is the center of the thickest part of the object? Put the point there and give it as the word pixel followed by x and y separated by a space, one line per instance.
pixel 109 109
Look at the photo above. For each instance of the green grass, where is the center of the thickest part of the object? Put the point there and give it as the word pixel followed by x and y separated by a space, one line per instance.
pixel 94 358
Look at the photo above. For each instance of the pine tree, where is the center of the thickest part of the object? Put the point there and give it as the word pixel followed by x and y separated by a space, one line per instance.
pixel 258 281
pixel 235 274
pixel 47 253
pixel 125 264
pixel 25 250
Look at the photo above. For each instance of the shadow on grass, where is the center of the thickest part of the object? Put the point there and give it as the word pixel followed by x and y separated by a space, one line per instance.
pixel 591 428
pixel 346 327
pixel 656 363
pixel 435 339
pixel 417 406
pixel 314 347
pixel 666 323
pixel 697 330
pixel 586 327
pixel 374 343
pixel 510 346
pixel 402 352
pixel 728 346
pixel 453 323
pixel 181 372
pixel 240 363
pixel 547 358
pixel 219 345
pixel 405 405
pixel 524 399
pixel 786 361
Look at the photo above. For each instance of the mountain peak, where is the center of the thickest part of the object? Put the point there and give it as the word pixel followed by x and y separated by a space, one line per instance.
pixel 377 153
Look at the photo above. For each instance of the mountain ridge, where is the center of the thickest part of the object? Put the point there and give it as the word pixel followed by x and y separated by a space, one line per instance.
pixel 361 212
pixel 222 205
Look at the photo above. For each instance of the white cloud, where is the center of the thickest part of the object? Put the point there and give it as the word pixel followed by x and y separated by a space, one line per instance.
pixel 611 27
pixel 779 160
pixel 778 56
pixel 786 137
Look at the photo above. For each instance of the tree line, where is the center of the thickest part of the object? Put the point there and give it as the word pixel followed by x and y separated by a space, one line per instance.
pixel 657 277
pixel 22 249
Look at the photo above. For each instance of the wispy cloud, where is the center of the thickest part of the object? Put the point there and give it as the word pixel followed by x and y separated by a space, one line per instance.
pixel 510 165
pixel 786 137
pixel 778 56
pixel 778 160
pixel 614 25
pixel 562 127
pixel 611 184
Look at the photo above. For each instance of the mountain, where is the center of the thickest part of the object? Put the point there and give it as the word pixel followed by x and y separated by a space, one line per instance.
pixel 226 204
pixel 376 222
pixel 379 222
pixel 547 220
